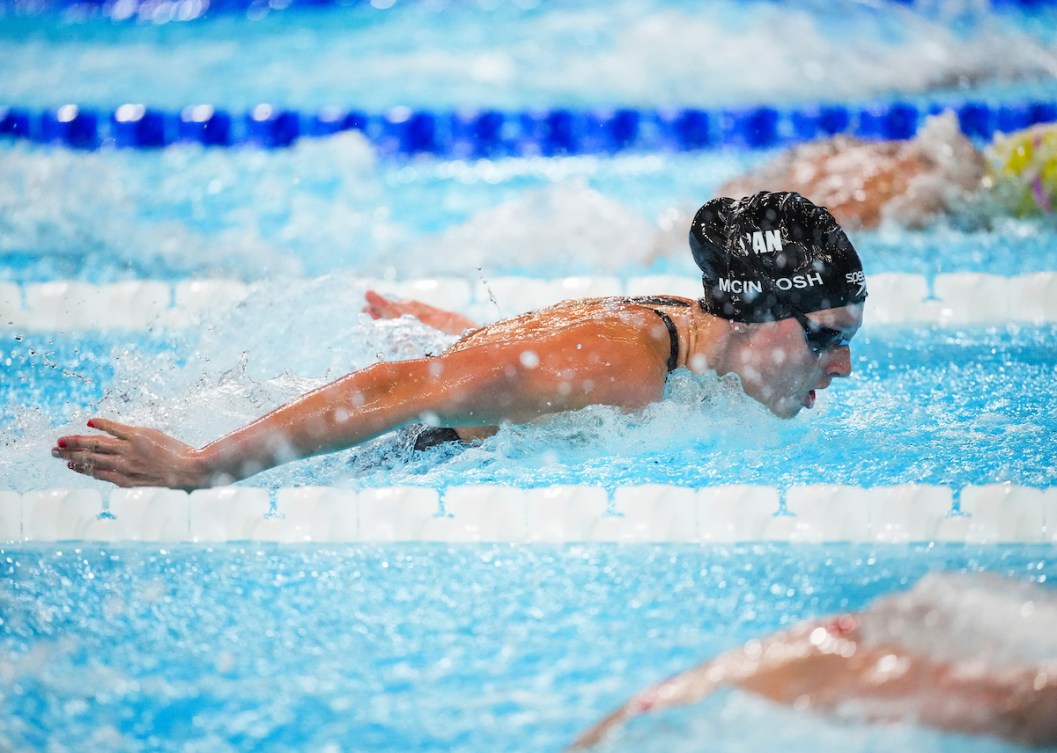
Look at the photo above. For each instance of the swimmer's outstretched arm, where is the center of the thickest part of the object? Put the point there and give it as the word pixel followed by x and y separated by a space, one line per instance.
pixel 485 384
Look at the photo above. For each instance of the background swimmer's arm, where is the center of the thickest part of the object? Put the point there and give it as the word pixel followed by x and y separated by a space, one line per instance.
pixel 764 666
pixel 452 322
pixel 823 665
pixel 485 384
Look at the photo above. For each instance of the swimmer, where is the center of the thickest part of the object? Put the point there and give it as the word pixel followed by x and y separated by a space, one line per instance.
pixel 783 296
pixel 967 653
pixel 912 182
pixel 865 182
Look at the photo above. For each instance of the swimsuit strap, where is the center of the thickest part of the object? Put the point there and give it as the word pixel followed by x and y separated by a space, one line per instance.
pixel 673 335
pixel 650 301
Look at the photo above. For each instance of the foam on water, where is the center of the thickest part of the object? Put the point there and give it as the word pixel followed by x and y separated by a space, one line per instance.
pixel 185 210
pixel 567 227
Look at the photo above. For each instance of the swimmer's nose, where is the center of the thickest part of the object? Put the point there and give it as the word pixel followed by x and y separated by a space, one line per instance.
pixel 837 362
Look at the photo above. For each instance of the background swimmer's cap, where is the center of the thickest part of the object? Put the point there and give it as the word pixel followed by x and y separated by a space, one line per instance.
pixel 1024 169
pixel 765 256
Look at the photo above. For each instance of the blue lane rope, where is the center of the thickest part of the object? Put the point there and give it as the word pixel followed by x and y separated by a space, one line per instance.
pixel 497 133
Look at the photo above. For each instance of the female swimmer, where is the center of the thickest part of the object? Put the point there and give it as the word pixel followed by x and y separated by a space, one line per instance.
pixel 783 295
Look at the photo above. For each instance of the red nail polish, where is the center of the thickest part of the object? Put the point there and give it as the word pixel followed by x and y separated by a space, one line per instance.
pixel 61 443
pixel 91 425
pixel 70 465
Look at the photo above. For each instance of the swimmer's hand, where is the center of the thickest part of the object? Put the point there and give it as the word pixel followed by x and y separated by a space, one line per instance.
pixel 380 307
pixel 132 456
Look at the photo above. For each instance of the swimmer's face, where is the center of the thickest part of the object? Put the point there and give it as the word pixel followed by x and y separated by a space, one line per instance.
pixel 779 369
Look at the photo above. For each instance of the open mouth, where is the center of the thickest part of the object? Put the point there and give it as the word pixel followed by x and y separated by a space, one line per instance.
pixel 809 401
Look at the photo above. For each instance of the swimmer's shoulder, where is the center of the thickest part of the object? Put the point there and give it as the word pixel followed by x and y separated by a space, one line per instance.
pixel 606 312
pixel 576 310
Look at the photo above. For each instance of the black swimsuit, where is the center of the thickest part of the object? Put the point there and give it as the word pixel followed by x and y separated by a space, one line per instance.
pixel 432 436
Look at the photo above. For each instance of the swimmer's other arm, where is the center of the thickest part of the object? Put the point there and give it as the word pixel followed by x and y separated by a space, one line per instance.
pixel 452 322
pixel 752 665
pixel 822 664
pixel 473 386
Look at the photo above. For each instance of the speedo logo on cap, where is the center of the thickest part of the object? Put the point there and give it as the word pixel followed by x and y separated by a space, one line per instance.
pixel 857 278
pixel 763 241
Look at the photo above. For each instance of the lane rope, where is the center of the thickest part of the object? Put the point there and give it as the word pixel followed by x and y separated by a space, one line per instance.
pixel 491 133
pixel 986 514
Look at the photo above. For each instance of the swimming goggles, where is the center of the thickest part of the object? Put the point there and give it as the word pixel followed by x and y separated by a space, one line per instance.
pixel 820 338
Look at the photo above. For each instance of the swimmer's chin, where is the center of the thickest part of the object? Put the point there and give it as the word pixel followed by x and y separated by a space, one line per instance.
pixel 788 409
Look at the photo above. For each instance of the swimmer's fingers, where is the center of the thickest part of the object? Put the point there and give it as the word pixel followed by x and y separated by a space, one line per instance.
pixel 90 464
pixel 380 307
pixel 95 456
pixel 74 446
pixel 92 455
pixel 103 467
pixel 68 446
pixel 132 456
pixel 113 428
pixel 112 468
pixel 104 472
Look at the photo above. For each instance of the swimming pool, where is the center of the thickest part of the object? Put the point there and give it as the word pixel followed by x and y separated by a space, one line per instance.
pixel 144 283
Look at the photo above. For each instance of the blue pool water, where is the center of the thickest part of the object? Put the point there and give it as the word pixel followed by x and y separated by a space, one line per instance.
pixel 419 647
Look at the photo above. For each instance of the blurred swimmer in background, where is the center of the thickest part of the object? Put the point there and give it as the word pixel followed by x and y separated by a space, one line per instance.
pixel 965 652
pixel 570 227
pixel 783 296
pixel 864 183
pixel 912 182
pixel 908 183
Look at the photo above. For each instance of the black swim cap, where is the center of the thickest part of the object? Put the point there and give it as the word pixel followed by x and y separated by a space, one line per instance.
pixel 769 255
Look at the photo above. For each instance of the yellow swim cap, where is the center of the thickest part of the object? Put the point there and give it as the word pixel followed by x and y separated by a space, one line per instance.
pixel 1023 169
